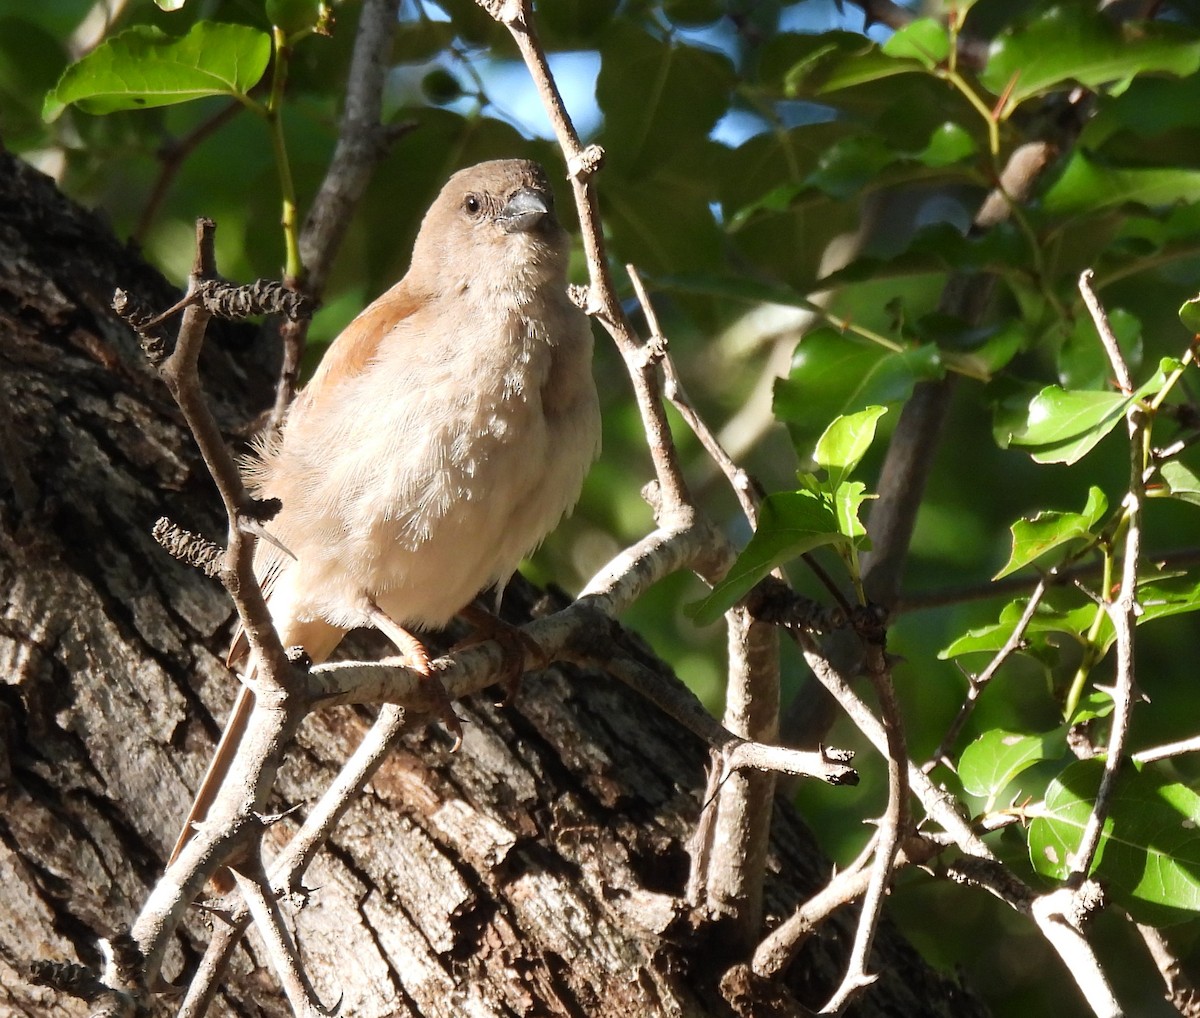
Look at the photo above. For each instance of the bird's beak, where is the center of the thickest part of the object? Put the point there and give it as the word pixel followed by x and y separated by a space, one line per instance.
pixel 524 211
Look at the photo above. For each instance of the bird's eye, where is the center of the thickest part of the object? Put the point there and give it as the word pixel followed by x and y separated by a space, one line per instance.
pixel 472 204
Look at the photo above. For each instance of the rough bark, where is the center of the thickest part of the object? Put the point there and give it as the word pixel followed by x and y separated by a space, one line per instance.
pixel 539 871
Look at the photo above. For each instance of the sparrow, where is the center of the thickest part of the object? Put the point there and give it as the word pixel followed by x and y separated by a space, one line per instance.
pixel 445 432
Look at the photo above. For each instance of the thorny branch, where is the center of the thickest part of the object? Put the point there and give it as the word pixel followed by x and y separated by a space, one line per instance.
pixel 976 684
pixel 744 803
pixel 1122 611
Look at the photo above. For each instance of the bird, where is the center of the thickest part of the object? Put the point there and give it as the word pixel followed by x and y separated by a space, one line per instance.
pixel 446 431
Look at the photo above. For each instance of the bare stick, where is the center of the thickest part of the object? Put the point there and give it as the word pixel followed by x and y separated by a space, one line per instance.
pixel 602 300
pixel 734 841
pixel 281 949
pixel 1167 750
pixel 1107 337
pixel 774 955
pixel 1180 990
pixel 892 830
pixel 1123 611
pixel 167 902
pixel 1060 915
pixel 294 860
pixel 978 683
pixel 737 864
pixel 657 347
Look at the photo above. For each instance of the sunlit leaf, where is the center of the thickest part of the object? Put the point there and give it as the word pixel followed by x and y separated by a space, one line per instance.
pixel 144 67
pixel 846 441
pixel 1180 481
pixel 1086 185
pixel 789 524
pixel 847 501
pixel 1076 43
pixel 924 40
pixel 1046 619
pixel 991 763
pixel 1063 426
pixel 1149 854
pixel 1189 314
pixel 1034 537
pixel 1171 595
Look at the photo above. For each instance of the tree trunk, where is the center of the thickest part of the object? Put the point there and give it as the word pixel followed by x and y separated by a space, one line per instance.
pixel 539 871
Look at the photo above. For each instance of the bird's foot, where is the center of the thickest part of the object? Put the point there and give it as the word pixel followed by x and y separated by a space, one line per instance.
pixel 414 652
pixel 519 651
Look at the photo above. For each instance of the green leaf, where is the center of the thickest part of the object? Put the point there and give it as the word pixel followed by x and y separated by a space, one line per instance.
pixel 1046 619
pixel 1032 538
pixel 1087 185
pixel 925 40
pixel 1189 314
pixel 834 374
pixel 1082 362
pixel 861 162
pixel 1063 426
pixel 1075 43
pixel 1180 481
pixel 829 62
pixel 681 92
pixel 1149 854
pixel 1093 706
pixel 1167 595
pixel 991 763
pixel 845 442
pixel 789 524
pixel 143 67
pixel 847 500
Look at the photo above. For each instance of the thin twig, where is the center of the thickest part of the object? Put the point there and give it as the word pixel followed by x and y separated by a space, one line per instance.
pixel 167 903
pixel 978 683
pixel 892 830
pixel 775 954
pixel 657 347
pixel 1180 990
pixel 602 299
pixel 362 142
pixel 1176 558
pixel 291 864
pixel 1167 750
pixel 172 156
pixel 1123 610
pixel 1107 337
pixel 281 949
